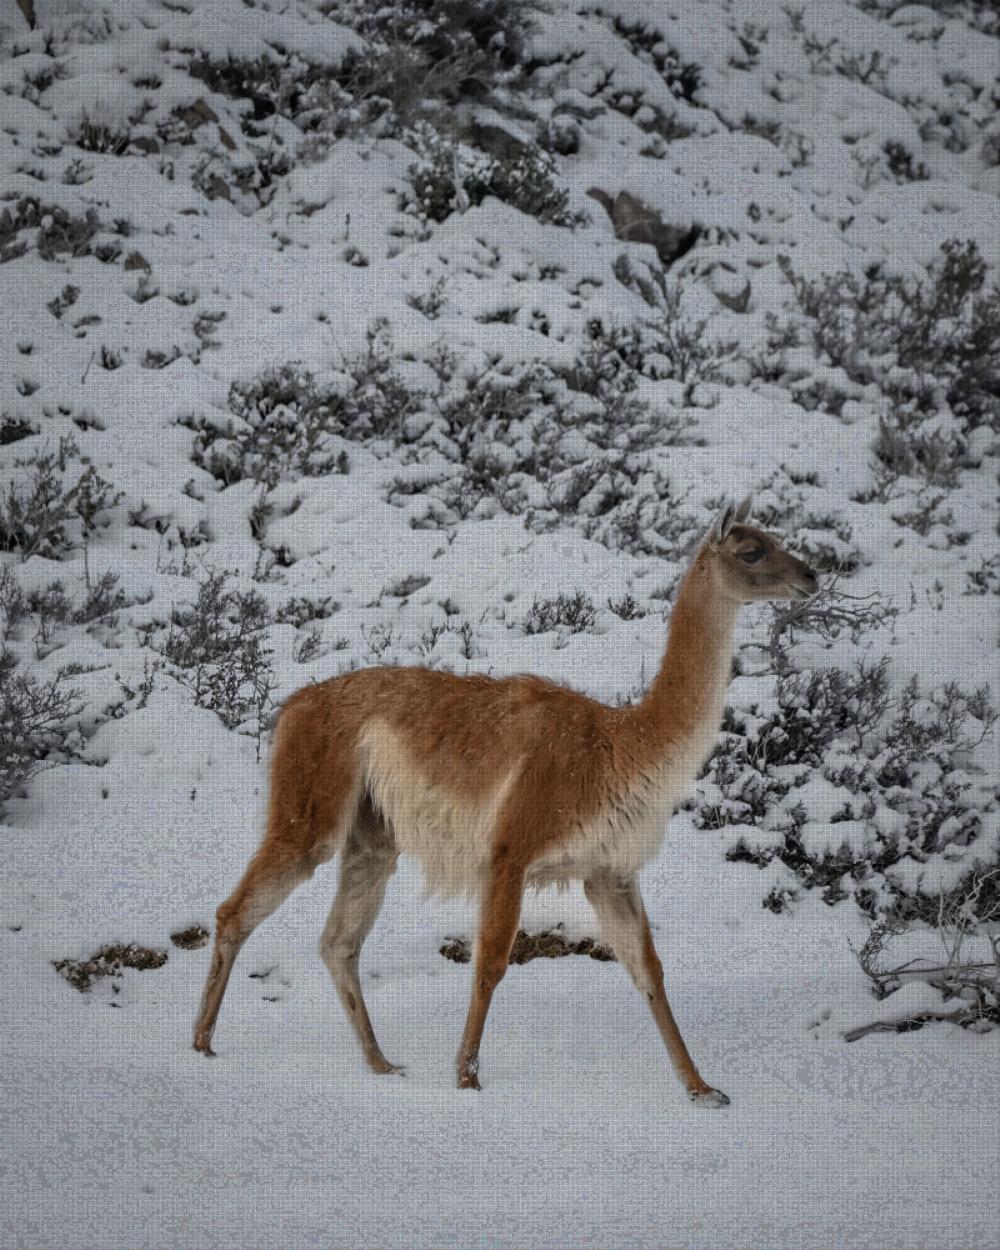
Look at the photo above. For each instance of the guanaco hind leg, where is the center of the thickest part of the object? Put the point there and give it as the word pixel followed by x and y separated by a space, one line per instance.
pixel 269 879
pixel 625 927
pixel 367 862
pixel 313 804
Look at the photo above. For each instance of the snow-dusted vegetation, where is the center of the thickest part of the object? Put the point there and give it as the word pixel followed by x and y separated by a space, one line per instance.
pixel 436 333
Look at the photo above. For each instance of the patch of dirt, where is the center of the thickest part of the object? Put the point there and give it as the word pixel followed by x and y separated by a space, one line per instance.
pixel 108 962
pixel 548 945
pixel 190 939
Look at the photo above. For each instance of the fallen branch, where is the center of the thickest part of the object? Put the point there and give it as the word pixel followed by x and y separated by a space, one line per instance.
pixel 906 1024
pixel 915 970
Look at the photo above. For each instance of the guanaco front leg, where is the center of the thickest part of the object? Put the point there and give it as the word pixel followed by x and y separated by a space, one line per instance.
pixel 501 908
pixel 625 927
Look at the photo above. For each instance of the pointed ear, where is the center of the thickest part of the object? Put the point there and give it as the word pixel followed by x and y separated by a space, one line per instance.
pixel 723 523
pixel 730 515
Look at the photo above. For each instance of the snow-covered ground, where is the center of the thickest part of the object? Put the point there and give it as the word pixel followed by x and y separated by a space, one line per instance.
pixel 266 221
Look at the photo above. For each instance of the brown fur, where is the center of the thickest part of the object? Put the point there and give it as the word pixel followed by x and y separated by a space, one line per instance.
pixel 495 785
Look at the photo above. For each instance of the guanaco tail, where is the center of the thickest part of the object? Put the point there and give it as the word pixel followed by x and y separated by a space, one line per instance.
pixel 499 784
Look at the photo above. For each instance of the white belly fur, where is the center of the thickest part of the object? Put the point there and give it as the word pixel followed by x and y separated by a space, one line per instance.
pixel 449 834
pixel 452 835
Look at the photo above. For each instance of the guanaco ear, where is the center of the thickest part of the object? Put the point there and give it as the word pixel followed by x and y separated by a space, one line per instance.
pixel 742 509
pixel 731 514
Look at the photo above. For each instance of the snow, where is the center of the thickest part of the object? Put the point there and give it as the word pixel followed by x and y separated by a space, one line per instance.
pixel 114 1132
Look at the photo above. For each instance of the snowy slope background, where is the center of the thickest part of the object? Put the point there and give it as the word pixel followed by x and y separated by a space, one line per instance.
pixel 317 353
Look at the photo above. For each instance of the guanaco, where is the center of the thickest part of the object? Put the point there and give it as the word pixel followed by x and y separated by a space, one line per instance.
pixel 499 784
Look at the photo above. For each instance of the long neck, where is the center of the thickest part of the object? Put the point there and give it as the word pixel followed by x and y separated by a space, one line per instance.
pixel 685 701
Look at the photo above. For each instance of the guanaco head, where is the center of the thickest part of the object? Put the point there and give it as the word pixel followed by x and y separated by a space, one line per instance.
pixel 749 564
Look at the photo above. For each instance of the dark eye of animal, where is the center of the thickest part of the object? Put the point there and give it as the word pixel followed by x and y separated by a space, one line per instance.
pixel 751 557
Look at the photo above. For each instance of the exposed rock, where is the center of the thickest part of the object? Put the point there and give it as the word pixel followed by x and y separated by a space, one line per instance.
pixel 635 222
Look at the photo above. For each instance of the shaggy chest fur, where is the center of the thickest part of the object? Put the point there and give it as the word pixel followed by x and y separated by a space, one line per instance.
pixel 628 829
pixel 622 835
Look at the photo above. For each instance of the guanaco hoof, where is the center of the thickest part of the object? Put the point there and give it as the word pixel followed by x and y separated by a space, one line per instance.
pixel 389 1069
pixel 709 1098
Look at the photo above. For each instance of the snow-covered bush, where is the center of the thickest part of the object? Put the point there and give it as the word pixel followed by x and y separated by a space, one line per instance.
pixel 420 53
pixel 217 651
pixel 43 511
pixel 521 441
pixel 919 340
pixel 280 423
pixel 967 911
pixel 985 579
pixel 493 437
pixel 828 615
pixel 752 770
pixel 672 344
pixel 627 608
pixel 285 84
pixel 575 613
pixel 814 708
pixel 58 232
pixel 903 768
pixel 288 86
pixel 98 133
pixel 647 44
pixel 981 15
pixel 906 452
pixel 610 357
pixel 608 368
pixel 412 61
pixel 448 174
pixel 301 610
pixel 940 727
pixel 38 724
pixel 38 717
pixel 13 428
pixel 53 606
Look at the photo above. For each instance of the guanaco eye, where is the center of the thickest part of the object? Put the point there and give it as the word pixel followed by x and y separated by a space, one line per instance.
pixel 751 557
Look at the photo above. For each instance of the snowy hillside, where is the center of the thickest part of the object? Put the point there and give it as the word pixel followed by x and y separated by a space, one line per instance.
pixel 437 334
